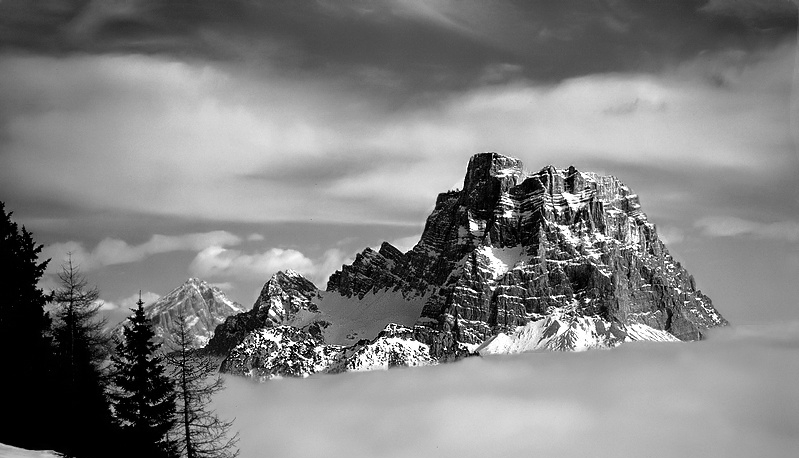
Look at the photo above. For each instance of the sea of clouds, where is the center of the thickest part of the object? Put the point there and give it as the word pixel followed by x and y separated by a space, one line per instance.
pixel 733 395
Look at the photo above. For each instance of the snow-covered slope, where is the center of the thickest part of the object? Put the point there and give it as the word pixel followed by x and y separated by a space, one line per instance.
pixel 281 351
pixel 569 333
pixel 390 349
pixel 285 351
pixel 9 451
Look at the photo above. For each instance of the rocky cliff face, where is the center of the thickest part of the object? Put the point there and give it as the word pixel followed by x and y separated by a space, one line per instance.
pixel 282 296
pixel 510 248
pixel 558 259
pixel 203 305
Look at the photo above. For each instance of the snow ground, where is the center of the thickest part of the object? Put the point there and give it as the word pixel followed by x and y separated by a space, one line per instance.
pixel 8 451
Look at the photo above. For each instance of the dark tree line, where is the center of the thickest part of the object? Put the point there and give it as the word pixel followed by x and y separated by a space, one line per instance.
pixel 69 388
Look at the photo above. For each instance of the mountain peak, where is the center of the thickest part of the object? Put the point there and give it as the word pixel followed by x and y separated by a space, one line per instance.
pixel 493 164
pixel 204 307
pixel 488 176
pixel 483 166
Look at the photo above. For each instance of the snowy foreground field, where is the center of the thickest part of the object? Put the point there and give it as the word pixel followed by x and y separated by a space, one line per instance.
pixel 734 395
pixel 7 451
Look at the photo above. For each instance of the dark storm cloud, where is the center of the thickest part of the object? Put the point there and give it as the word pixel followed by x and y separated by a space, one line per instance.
pixel 404 46
pixel 755 13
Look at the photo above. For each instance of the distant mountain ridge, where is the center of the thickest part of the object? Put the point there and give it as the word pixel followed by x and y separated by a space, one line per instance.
pixel 554 260
pixel 204 306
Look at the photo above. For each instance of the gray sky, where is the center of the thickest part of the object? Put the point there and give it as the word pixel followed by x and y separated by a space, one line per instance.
pixel 158 140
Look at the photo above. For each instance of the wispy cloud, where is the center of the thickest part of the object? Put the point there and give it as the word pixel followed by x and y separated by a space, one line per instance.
pixel 671 235
pixel 752 9
pixel 728 226
pixel 254 237
pixel 406 243
pixel 112 251
pixel 216 262
pixel 125 303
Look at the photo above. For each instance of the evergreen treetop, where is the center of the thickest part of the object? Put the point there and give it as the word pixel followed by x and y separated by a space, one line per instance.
pixel 24 337
pixel 144 399
pixel 86 427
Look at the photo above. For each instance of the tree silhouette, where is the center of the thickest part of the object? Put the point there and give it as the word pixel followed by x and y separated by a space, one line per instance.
pixel 24 338
pixel 144 399
pixel 199 432
pixel 86 428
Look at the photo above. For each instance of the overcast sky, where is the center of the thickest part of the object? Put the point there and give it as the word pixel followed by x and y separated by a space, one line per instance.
pixel 162 139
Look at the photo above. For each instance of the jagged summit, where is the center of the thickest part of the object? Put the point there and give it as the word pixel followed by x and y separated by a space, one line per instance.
pixel 560 239
pixel 487 177
pixel 558 259
pixel 205 306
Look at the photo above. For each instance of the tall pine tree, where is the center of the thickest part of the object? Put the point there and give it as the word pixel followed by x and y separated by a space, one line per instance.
pixel 26 383
pixel 199 432
pixel 84 424
pixel 144 399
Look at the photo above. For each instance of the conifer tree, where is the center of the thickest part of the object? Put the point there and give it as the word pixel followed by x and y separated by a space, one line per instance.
pixel 85 427
pixel 144 399
pixel 199 432
pixel 24 338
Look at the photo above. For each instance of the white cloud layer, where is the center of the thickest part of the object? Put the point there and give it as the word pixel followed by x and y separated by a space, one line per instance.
pixel 732 396
pixel 112 251
pixel 216 262
pixel 126 303
pixel 406 243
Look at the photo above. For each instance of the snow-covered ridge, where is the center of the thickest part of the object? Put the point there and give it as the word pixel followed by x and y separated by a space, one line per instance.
pixel 285 351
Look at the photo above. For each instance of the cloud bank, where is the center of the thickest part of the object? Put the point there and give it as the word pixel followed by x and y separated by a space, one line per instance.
pixel 191 140
pixel 732 396
pixel 126 303
pixel 215 258
pixel 111 251
pixel 216 262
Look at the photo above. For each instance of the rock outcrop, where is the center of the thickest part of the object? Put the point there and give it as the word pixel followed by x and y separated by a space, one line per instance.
pixel 282 296
pixel 509 248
